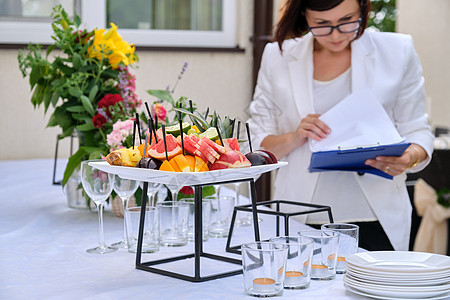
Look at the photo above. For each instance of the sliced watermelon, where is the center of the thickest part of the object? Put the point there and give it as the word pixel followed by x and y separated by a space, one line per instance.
pixel 219 149
pixel 230 159
pixel 232 143
pixel 192 148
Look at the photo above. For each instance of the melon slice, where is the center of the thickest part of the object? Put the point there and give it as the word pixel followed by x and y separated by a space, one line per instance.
pixel 219 149
pixel 232 143
pixel 230 159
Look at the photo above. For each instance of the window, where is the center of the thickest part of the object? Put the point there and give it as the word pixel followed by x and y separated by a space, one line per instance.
pixel 24 21
pixel 159 23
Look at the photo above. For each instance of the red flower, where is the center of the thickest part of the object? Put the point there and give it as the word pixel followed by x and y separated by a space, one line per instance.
pixel 109 100
pixel 98 120
pixel 187 190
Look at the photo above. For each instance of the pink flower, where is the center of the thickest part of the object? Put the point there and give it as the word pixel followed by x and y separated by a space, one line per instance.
pixel 160 111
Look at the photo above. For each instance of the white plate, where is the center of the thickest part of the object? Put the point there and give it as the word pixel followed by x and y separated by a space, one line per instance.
pixel 381 286
pixel 186 178
pixel 397 281
pixel 400 261
pixel 356 291
pixel 399 276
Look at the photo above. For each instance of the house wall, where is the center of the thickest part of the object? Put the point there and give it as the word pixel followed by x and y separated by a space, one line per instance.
pixel 220 80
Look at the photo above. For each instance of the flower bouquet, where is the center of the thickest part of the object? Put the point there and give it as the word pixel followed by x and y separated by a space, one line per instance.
pixel 87 83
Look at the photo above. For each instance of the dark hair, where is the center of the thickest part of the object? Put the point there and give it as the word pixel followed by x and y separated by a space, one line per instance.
pixel 293 21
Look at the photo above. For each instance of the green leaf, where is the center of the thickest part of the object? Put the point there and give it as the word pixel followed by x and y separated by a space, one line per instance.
pixel 47 98
pixel 75 92
pixel 81 117
pixel 76 108
pixel 76 21
pixel 195 117
pixel 163 95
pixel 50 49
pixel 35 75
pixel 76 61
pixel 55 98
pixel 75 161
pixel 87 105
pixel 86 127
pixel 93 93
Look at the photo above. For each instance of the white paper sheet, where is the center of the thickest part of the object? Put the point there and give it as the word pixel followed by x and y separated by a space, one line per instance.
pixel 358 120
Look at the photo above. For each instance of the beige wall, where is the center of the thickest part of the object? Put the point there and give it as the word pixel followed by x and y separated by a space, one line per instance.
pixel 221 81
pixel 429 22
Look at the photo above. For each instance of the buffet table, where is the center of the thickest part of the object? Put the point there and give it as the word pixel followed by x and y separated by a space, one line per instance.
pixel 43 250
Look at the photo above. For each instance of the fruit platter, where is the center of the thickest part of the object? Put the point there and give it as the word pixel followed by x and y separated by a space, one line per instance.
pixel 189 154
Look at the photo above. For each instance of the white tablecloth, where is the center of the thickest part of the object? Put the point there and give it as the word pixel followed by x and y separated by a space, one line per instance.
pixel 43 250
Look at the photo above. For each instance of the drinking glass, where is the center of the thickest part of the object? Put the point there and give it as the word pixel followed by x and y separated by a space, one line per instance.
pixel 298 266
pixel 173 217
pixel 150 238
pixel 98 185
pixel 221 211
pixel 242 221
pixel 263 268
pixel 323 263
pixel 124 188
pixel 348 242
pixel 206 213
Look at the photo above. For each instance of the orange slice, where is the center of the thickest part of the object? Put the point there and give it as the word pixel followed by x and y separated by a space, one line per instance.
pixel 200 165
pixel 166 166
pixel 181 162
pixel 191 162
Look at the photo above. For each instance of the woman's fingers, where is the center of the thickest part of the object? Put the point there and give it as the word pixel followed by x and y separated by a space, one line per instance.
pixel 312 127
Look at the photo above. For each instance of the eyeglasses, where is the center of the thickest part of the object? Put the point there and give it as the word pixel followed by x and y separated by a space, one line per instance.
pixel 342 28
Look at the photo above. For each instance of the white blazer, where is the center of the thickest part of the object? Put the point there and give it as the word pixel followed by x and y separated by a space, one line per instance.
pixel 384 62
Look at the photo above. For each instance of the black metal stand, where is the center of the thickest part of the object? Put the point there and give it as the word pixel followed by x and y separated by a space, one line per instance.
pixel 253 209
pixel 198 239
pixel 58 137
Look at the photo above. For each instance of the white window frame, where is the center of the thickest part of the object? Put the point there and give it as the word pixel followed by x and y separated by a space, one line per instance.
pixel 93 15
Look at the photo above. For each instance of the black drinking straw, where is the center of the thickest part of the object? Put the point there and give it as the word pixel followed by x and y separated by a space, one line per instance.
pixel 238 130
pixel 232 127
pixel 156 121
pixel 165 143
pixel 190 106
pixel 181 131
pixel 139 128
pixel 248 136
pixel 220 136
pixel 150 123
pixel 134 132
pixel 207 112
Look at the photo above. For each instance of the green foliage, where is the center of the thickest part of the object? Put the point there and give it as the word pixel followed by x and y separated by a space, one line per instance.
pixel 383 15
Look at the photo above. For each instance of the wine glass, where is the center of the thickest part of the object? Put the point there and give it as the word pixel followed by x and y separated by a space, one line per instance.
pixel 98 185
pixel 152 189
pixel 124 188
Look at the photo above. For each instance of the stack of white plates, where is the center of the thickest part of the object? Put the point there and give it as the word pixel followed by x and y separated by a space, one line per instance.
pixel 398 275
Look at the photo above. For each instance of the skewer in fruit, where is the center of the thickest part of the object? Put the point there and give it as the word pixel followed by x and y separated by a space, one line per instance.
pixel 258 157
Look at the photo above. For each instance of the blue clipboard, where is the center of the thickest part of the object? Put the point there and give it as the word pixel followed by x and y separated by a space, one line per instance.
pixel 352 159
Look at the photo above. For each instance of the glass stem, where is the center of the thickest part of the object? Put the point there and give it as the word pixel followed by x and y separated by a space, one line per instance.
pixel 174 194
pixel 101 241
pixel 125 230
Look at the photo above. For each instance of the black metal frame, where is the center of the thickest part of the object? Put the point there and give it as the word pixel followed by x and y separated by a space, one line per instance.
pixel 198 239
pixel 58 137
pixel 277 213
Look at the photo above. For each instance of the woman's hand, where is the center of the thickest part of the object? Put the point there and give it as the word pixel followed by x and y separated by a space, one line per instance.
pixel 395 165
pixel 312 127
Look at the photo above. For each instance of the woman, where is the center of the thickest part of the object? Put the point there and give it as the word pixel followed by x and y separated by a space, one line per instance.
pixel 303 75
